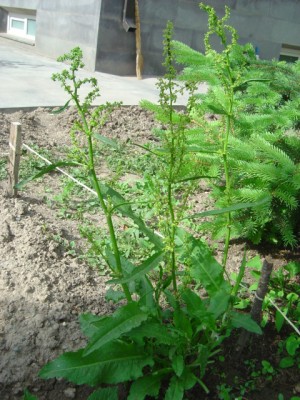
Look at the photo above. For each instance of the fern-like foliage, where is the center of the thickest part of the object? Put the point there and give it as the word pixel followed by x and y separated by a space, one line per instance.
pixel 263 151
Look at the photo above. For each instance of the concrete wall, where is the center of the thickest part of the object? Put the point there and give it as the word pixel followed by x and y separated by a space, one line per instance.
pixel 29 4
pixel 96 26
pixel 64 24
pixel 267 24
pixel 116 47
pixel 3 20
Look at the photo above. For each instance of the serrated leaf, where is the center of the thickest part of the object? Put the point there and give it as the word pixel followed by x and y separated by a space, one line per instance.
pixel 286 362
pixel 245 321
pixel 194 304
pixel 145 386
pixel 125 209
pixel 205 269
pixel 109 393
pixel 202 359
pixel 46 170
pixel 116 362
pixel 182 323
pixel 87 322
pixel 155 330
pixel 106 140
pixel 178 364
pixel 233 207
pixel 113 327
pixel 175 390
pixel 218 303
pixel 140 271
pixel 145 291
pixel 114 295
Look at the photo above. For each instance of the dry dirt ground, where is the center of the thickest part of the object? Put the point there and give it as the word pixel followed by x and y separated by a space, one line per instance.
pixel 43 287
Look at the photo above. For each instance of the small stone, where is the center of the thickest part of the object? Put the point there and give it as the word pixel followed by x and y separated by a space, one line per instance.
pixel 70 393
pixel 297 388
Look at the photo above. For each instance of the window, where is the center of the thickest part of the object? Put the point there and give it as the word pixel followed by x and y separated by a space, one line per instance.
pixel 289 53
pixel 21 25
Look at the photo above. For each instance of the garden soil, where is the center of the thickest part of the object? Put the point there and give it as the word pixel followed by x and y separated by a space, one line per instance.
pixel 43 286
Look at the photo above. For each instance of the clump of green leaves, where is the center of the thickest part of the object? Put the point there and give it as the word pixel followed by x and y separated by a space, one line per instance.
pixel 251 143
pixel 162 339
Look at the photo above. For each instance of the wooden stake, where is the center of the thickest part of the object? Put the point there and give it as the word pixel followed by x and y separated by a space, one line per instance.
pixel 257 304
pixel 15 144
pixel 138 43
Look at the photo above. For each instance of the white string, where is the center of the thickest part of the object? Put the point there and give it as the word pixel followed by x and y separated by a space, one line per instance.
pixel 70 176
pixel 61 170
pixel 277 308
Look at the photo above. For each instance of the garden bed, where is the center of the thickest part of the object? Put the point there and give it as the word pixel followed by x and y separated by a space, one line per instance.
pixel 46 283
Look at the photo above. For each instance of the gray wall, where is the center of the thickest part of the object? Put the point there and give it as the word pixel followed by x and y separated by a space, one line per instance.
pixel 3 20
pixel 29 4
pixel 116 47
pixel 267 24
pixel 64 24
pixel 96 26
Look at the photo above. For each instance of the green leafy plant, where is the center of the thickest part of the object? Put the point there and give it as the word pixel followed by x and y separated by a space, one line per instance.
pixel 166 334
pixel 163 335
pixel 250 143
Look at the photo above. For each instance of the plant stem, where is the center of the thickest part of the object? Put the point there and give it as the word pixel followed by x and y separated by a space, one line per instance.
pixel 226 166
pixel 170 192
pixel 106 211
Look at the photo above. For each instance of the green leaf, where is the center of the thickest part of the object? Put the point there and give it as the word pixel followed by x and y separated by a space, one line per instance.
pixel 178 364
pixel 140 271
pixel 292 344
pixel 286 362
pixel 109 393
pixel 205 269
pixel 87 322
pixel 293 268
pixel 202 359
pixel 46 170
pixel 125 209
pixel 217 109
pixel 188 379
pixel 146 386
pixel 194 304
pixel 116 362
pixel 106 140
pixel 194 178
pixel 28 396
pixel 182 323
pixel 218 303
pixel 145 291
pixel 114 295
pixel 113 327
pixel 61 109
pixel 279 320
pixel 234 207
pixel 255 263
pixel 175 390
pixel 155 330
pixel 245 321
